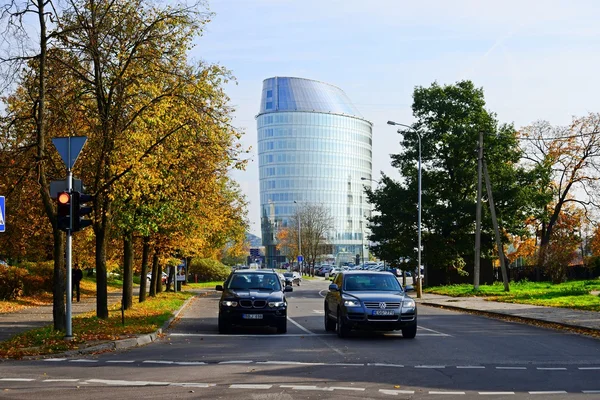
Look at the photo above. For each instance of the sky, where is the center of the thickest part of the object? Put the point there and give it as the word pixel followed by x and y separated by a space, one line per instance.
pixel 535 60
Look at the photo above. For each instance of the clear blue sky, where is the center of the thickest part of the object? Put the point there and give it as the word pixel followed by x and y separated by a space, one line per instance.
pixel 536 60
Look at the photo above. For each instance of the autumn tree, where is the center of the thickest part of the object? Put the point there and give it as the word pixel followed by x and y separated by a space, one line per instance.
pixel 572 154
pixel 315 223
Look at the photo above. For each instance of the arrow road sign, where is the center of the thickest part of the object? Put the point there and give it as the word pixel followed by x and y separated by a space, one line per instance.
pixel 69 148
pixel 2 214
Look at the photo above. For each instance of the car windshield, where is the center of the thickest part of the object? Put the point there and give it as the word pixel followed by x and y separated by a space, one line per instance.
pixel 288 274
pixel 371 282
pixel 254 281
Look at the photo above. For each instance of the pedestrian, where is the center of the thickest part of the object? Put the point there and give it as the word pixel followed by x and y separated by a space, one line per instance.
pixel 77 275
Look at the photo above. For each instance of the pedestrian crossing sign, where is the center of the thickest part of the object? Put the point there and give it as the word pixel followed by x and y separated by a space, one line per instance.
pixel 2 214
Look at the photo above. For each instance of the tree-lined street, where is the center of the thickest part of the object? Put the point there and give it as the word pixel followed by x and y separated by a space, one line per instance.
pixel 454 354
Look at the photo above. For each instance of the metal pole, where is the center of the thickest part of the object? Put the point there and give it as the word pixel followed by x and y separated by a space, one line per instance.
pixel 477 261
pixel 419 285
pixel 69 328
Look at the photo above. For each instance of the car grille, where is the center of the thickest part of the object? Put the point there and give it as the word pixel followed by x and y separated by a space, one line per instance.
pixel 253 303
pixel 375 305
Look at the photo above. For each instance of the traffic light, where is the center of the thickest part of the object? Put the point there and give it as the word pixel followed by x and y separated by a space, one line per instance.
pixel 80 210
pixel 64 211
pixel 357 259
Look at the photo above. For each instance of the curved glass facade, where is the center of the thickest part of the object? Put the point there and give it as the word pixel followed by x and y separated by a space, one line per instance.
pixel 313 147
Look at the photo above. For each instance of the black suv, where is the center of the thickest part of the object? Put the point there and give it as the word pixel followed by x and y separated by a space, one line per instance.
pixel 253 298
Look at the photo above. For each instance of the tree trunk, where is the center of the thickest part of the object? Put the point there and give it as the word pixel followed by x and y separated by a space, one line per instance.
pixel 127 300
pixel 101 281
pixel 143 279
pixel 159 272
pixel 154 274
pixel 58 287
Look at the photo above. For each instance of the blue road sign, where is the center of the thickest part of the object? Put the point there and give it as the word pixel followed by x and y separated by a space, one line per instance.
pixel 2 214
pixel 300 258
pixel 69 148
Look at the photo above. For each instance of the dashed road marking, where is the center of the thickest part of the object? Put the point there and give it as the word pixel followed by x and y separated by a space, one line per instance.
pixel 470 367
pixel 250 386
pixel 17 379
pixel 445 393
pixel 121 382
pixel 385 365
pixel 83 360
pixel 237 362
pixel 496 393
pixel 551 369
pixel 548 392
pixel 120 361
pixel 430 366
pixel 396 392
pixel 519 368
pixel 60 380
pixel 157 362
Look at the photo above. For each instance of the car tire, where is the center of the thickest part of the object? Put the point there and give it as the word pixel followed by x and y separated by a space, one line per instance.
pixel 224 326
pixel 329 323
pixel 282 327
pixel 342 329
pixel 410 332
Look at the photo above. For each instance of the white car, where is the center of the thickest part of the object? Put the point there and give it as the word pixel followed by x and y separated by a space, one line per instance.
pixel 164 277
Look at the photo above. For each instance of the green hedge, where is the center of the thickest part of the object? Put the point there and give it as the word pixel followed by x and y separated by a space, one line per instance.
pixel 208 270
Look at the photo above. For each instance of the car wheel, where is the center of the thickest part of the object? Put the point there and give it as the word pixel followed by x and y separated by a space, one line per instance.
pixel 298 283
pixel 342 329
pixel 223 325
pixel 329 323
pixel 282 327
pixel 410 332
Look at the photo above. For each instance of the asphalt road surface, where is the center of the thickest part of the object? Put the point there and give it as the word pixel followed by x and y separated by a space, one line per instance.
pixel 454 356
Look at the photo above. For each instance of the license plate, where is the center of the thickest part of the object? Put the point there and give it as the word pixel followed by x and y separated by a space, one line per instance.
pixel 252 316
pixel 383 312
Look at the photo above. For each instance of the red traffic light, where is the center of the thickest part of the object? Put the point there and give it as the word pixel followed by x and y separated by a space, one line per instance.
pixel 64 198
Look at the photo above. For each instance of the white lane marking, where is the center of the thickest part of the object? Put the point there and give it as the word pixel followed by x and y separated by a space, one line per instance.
pixel 432 330
pixel 588 368
pixel 250 386
pixel 347 388
pixel 470 367
pixel 157 362
pixel 196 385
pixel 590 391
pixel 430 366
pixel 496 393
pixel 348 365
pixel 305 387
pixel 83 360
pixel 396 392
pixel 319 311
pixel 60 380
pixel 55 359
pixel 551 369
pixel 300 326
pixel 549 392
pixel 237 362
pixel 241 335
pixel 385 365
pixel 433 392
pixel 321 292
pixel 189 363
pixel 511 367
pixel 120 361
pixel 288 363
pixel 16 379
pixel 126 383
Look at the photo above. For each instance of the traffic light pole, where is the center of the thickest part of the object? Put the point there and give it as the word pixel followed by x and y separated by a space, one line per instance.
pixel 68 251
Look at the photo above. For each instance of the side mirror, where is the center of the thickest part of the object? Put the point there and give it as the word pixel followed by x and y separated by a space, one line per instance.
pixel 334 288
pixel 219 288
pixel 409 288
pixel 288 289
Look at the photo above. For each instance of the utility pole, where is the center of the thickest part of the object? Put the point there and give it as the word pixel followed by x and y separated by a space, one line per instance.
pixel 496 230
pixel 477 261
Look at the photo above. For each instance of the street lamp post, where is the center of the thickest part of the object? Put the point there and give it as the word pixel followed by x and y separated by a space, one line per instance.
pixel 299 241
pixel 419 283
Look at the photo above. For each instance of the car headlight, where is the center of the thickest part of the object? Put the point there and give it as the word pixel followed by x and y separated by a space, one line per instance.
pixel 352 303
pixel 277 304
pixel 229 303
pixel 408 303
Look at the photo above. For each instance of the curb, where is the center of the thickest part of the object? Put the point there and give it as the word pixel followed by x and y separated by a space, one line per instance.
pixel 527 320
pixel 140 340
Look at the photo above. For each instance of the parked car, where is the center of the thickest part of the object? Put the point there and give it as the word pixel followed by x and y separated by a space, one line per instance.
pixel 292 278
pixel 369 300
pixel 253 298
pixel 164 277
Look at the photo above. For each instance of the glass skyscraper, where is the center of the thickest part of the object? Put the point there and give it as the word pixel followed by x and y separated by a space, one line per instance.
pixel 314 147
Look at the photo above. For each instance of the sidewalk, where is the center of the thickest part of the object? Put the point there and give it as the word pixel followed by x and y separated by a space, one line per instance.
pixel 586 320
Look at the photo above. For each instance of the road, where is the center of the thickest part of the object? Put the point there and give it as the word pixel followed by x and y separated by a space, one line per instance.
pixel 454 356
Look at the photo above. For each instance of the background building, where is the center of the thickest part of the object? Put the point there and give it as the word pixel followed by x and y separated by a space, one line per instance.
pixel 314 147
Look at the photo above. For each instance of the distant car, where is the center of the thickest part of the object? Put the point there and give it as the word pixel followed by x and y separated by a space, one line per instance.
pixel 369 300
pixel 253 298
pixel 292 278
pixel 164 277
